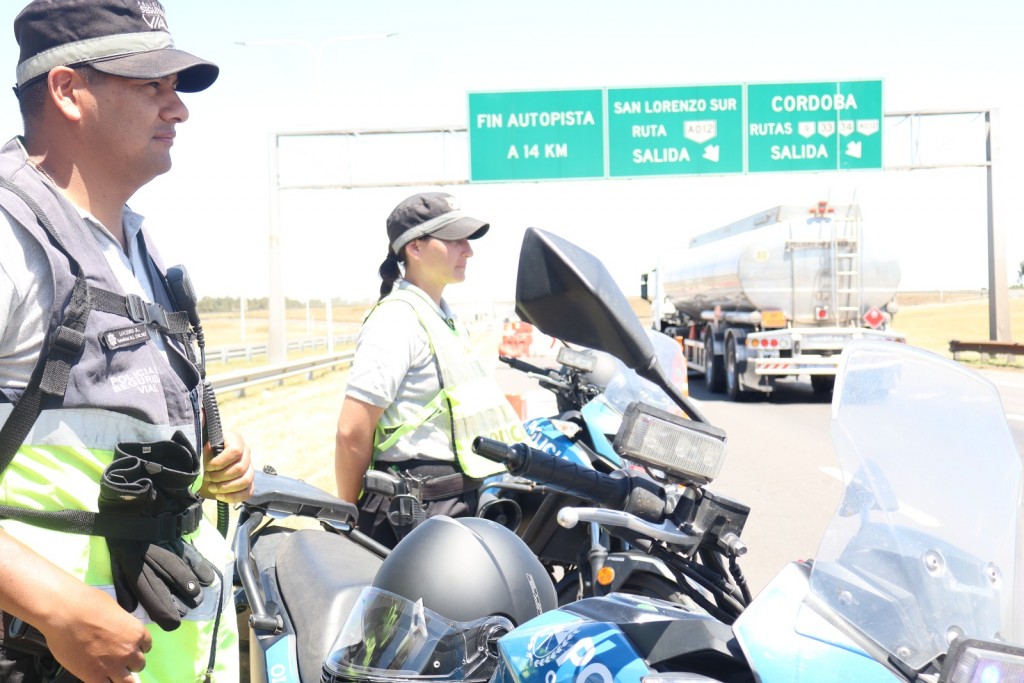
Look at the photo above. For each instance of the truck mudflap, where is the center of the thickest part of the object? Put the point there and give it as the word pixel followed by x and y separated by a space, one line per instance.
pixel 804 365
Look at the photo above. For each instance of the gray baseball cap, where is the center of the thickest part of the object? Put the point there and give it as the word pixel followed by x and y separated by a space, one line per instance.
pixel 431 213
pixel 126 38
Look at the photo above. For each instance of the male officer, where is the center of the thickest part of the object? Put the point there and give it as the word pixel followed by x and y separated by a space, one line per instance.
pixel 100 394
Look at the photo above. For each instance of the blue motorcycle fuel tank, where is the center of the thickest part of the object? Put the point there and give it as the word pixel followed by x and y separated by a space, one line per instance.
pixel 562 646
pixel 616 638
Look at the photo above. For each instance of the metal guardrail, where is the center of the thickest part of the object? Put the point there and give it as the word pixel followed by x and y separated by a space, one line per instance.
pixel 225 354
pixel 238 382
pixel 986 348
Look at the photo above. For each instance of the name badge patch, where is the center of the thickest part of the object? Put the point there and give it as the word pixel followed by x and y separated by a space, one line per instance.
pixel 125 336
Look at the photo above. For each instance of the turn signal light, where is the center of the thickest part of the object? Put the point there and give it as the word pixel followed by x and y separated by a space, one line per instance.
pixel 605 576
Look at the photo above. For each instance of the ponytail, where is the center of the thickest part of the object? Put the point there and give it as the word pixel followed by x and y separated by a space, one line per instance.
pixel 389 274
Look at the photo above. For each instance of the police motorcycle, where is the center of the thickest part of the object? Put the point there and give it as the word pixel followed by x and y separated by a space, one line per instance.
pixel 917 578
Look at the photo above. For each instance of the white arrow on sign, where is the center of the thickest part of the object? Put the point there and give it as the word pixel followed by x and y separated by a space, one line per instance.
pixel 853 149
pixel 711 153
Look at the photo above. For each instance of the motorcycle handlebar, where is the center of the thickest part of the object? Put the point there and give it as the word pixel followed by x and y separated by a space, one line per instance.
pixel 558 473
pixel 518 364
pixel 549 379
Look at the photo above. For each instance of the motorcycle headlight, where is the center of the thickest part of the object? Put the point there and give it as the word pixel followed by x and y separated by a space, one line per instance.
pixel 979 661
pixel 688 450
pixel 584 362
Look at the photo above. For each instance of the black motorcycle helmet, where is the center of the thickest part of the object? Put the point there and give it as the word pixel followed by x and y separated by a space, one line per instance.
pixel 438 604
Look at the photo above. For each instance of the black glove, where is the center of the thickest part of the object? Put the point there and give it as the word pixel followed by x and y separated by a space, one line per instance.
pixel 150 480
pixel 165 578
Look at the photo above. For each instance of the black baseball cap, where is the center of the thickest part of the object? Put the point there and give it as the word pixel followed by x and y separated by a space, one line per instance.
pixel 431 213
pixel 126 38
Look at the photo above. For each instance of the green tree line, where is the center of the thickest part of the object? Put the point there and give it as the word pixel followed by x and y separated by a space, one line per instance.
pixel 232 304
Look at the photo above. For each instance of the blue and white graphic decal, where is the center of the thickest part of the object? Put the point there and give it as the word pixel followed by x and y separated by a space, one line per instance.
pixel 549 438
pixel 561 648
pixel 282 663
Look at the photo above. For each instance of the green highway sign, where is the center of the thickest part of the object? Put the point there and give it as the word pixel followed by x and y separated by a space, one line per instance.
pixel 814 126
pixel 539 135
pixel 675 131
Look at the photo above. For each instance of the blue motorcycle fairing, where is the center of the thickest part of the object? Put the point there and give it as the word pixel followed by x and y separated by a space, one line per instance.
pixel 558 647
pixel 549 438
pixel 601 420
pixel 812 651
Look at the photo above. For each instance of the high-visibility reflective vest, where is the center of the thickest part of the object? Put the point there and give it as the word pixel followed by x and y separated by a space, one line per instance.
pixel 117 386
pixel 469 394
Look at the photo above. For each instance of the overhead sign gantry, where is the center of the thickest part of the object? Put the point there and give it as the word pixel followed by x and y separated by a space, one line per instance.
pixel 677 130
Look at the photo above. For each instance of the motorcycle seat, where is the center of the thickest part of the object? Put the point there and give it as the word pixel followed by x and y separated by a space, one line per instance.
pixel 320 575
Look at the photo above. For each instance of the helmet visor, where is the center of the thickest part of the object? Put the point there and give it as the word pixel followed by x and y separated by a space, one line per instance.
pixel 387 638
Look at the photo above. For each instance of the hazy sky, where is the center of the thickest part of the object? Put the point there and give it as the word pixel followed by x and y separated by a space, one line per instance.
pixel 212 209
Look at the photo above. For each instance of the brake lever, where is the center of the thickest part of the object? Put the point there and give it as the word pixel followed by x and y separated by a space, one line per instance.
pixel 569 517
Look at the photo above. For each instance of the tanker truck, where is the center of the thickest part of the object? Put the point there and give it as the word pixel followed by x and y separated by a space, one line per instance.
pixel 776 295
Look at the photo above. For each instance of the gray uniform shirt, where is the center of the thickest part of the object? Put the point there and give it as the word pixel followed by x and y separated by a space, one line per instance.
pixel 395 370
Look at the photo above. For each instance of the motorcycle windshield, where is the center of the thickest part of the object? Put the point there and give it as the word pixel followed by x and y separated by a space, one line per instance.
pixel 389 638
pixel 624 386
pixel 924 544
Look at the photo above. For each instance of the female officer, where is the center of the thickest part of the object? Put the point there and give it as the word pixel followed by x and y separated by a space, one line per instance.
pixel 416 395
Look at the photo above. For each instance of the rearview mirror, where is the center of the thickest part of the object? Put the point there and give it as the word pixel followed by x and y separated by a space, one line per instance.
pixel 567 293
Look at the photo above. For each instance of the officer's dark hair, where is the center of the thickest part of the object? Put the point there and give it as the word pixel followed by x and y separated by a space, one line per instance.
pixel 389 274
pixel 389 271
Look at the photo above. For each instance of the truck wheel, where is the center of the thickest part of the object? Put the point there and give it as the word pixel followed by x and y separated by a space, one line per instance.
pixel 823 384
pixel 714 367
pixel 732 374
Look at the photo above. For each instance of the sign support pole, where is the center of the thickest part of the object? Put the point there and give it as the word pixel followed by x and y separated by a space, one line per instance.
pixel 998 295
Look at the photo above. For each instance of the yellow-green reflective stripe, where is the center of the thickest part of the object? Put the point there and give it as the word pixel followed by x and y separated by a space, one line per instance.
pixel 424 415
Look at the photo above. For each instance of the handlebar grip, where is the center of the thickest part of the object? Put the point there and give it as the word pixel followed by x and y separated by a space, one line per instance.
pixel 491 449
pixel 557 473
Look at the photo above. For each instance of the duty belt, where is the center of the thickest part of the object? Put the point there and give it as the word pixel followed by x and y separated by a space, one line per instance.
pixel 416 479
pixel 407 492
